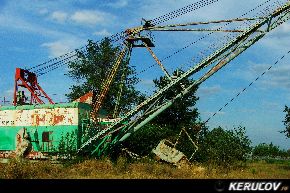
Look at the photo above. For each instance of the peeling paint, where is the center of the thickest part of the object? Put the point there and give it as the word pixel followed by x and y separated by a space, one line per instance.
pixel 40 117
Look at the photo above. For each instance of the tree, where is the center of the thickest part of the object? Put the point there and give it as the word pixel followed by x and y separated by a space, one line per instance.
pixel 287 122
pixel 182 113
pixel 268 150
pixel 224 148
pixel 168 124
pixel 144 140
pixel 92 68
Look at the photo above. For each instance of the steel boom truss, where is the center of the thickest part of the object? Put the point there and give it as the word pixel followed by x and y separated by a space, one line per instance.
pixel 119 131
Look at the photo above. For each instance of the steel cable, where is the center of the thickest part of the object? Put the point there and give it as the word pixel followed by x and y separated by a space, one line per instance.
pixel 247 87
pixel 119 36
pixel 196 41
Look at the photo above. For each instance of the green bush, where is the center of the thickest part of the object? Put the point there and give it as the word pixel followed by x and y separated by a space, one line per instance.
pixel 269 151
pixel 147 138
pixel 67 145
pixel 225 148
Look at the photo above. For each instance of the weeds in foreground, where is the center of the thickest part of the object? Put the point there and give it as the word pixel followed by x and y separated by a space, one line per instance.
pixel 123 168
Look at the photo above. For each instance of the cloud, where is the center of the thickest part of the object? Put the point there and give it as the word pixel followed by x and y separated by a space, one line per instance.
pixel 61 47
pixel 24 25
pixel 103 32
pixel 63 41
pixel 43 11
pixel 91 18
pixel 147 82
pixel 276 77
pixel 83 17
pixel 278 39
pixel 209 90
pixel 56 48
pixel 147 85
pixel 284 30
pixel 59 16
pixel 118 4
pixel 271 106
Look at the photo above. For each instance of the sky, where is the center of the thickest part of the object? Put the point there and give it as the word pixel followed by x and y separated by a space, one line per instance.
pixel 35 31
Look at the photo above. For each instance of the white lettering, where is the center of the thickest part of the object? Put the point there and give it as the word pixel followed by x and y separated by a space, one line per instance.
pixel 261 186
pixel 276 186
pixel 268 186
pixel 240 186
pixel 232 186
pixel 254 187
pixel 247 186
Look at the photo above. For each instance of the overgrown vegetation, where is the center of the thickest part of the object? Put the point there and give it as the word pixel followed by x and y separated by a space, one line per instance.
pixel 143 169
pixel 167 125
pixel 223 148
pixel 92 68
pixel 287 122
pixel 182 113
pixel 265 150
pixel 67 145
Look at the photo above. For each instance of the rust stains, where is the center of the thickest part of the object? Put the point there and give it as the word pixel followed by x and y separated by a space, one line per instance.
pixel 36 119
pixel 70 121
pixel 57 119
pixel 53 119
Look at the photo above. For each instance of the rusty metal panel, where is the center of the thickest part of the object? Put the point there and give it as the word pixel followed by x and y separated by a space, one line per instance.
pixel 39 117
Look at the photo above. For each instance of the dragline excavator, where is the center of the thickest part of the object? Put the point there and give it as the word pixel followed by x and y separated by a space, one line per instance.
pixel 116 133
pixel 101 139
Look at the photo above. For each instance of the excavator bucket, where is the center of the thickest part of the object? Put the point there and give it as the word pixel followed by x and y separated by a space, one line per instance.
pixel 166 152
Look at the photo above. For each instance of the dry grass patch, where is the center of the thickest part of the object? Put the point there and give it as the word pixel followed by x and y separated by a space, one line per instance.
pixel 144 169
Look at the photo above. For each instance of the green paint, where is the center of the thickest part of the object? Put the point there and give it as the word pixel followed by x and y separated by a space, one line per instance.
pixel 8 136
pixel 44 138
pixel 48 138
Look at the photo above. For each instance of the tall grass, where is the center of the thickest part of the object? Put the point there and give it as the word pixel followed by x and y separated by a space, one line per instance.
pixel 142 169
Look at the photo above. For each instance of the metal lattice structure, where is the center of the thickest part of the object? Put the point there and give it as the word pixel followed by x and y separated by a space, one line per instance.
pixel 119 131
pixel 28 80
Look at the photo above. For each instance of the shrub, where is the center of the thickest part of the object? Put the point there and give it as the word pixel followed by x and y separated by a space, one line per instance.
pixel 269 150
pixel 224 148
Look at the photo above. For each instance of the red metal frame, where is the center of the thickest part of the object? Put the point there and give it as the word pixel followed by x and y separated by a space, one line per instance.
pixel 28 80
